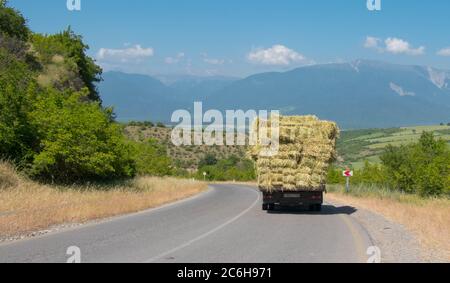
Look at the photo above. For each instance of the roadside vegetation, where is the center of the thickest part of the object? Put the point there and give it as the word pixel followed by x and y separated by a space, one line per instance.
pixel 421 168
pixel 355 147
pixel 27 206
pixel 68 160
pixel 186 159
pixel 410 185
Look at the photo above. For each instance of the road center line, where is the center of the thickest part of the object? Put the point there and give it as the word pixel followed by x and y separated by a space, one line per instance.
pixel 153 259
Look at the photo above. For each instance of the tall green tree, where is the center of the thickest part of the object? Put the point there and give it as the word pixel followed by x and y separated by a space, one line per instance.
pixel 78 140
pixel 78 65
pixel 12 23
pixel 18 136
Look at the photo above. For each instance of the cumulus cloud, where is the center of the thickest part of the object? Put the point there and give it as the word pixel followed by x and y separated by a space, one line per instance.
pixel 372 42
pixel 444 52
pixel 276 55
pixel 400 46
pixel 393 45
pixel 176 59
pixel 134 53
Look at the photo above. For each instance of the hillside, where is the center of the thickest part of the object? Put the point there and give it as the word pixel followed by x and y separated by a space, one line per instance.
pixel 355 147
pixel 185 157
pixel 358 95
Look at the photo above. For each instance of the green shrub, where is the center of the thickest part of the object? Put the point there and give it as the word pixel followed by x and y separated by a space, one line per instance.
pixel 152 158
pixel 421 168
pixel 17 91
pixel 230 169
pixel 78 140
pixel 12 23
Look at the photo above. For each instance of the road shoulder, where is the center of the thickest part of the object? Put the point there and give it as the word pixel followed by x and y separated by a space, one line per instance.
pixel 397 244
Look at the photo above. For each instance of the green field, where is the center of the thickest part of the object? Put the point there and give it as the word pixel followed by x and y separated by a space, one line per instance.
pixel 357 146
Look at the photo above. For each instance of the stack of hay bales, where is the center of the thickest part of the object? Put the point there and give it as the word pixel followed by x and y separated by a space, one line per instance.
pixel 307 147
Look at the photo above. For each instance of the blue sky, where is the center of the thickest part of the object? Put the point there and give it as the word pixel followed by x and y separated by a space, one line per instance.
pixel 243 37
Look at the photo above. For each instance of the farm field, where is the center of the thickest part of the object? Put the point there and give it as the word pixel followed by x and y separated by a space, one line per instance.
pixel 357 146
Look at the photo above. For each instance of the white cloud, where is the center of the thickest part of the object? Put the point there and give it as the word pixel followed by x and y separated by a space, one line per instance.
pixel 444 52
pixel 400 46
pixel 393 45
pixel 372 42
pixel 130 54
pixel 176 59
pixel 276 55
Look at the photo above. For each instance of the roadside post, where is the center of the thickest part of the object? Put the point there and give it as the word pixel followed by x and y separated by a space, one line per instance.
pixel 204 176
pixel 347 174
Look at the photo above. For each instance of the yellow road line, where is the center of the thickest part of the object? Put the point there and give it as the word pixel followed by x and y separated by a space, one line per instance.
pixel 358 239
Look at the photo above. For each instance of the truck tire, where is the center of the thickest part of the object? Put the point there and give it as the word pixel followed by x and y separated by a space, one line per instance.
pixel 271 207
pixel 265 207
pixel 318 207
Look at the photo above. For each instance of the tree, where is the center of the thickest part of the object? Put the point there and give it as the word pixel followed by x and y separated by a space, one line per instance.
pixel 78 140
pixel 421 168
pixel 71 47
pixel 152 158
pixel 208 160
pixel 17 92
pixel 12 23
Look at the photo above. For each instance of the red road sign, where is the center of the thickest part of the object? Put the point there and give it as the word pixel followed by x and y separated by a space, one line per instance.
pixel 348 173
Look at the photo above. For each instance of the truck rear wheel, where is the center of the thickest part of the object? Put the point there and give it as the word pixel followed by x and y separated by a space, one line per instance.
pixel 265 207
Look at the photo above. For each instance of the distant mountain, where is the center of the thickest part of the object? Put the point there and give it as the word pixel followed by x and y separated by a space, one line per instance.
pixel 142 97
pixel 193 88
pixel 360 94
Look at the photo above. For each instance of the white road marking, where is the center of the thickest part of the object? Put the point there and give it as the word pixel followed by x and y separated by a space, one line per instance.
pixel 201 237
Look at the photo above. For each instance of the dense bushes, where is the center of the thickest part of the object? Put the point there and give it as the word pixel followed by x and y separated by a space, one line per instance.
pixel 232 168
pixel 17 91
pixel 152 158
pixel 56 132
pixel 65 62
pixel 421 168
pixel 12 23
pixel 77 139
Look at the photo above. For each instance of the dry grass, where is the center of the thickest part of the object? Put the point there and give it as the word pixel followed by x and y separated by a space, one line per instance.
pixel 26 206
pixel 428 219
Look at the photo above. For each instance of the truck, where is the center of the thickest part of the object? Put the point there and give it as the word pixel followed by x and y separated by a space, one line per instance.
pixel 295 174
pixel 310 199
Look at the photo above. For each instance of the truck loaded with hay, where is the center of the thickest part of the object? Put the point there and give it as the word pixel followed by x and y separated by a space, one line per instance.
pixel 295 173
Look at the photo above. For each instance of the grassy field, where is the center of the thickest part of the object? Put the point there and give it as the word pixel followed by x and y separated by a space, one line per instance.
pixel 27 206
pixel 356 146
pixel 427 219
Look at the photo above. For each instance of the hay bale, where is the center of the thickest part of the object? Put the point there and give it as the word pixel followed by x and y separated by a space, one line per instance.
pixel 307 147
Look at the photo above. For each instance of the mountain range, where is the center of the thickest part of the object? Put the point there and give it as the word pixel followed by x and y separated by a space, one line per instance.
pixel 358 94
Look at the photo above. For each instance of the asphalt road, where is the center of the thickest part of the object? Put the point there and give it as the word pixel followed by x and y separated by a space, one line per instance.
pixel 224 224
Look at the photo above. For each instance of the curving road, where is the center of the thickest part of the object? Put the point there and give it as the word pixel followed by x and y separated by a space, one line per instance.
pixel 224 224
